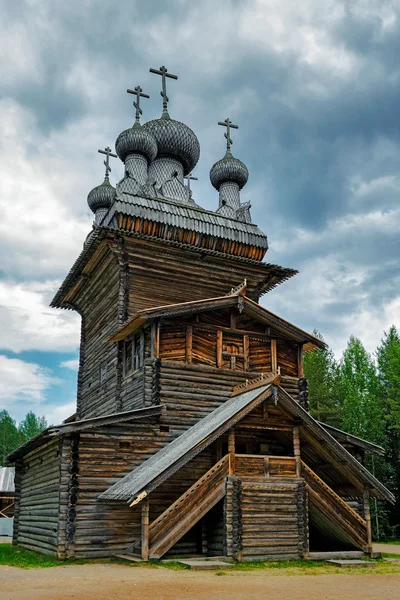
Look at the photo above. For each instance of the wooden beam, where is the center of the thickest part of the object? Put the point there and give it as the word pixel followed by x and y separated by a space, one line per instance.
pixel 145 528
pixel 233 318
pixel 189 343
pixel 274 356
pixel 155 339
pixel 367 516
pixel 300 361
pixel 219 348
pixel 296 449
pixel 231 451
pixel 246 354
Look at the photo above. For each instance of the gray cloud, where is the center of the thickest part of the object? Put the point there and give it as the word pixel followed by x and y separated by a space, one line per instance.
pixel 314 88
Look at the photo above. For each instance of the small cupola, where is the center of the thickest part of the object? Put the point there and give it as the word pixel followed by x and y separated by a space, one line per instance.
pixel 137 148
pixel 101 198
pixel 229 175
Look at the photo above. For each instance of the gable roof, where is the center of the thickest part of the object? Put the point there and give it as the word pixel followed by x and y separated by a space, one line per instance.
pixel 243 303
pixel 172 457
pixel 159 467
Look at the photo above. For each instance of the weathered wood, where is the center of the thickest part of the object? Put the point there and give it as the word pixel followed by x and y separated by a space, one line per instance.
pixel 145 529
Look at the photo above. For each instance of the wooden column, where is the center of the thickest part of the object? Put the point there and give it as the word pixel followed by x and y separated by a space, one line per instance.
pixel 231 451
pixel 296 449
pixel 274 356
pixel 189 343
pixel 300 363
pixel 219 348
pixel 145 528
pixel 367 515
pixel 233 318
pixel 155 339
pixel 246 355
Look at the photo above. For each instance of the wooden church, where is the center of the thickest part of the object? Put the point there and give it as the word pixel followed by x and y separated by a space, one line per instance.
pixel 192 434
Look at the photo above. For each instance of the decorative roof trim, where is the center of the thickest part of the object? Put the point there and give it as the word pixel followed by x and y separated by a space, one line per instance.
pixel 243 303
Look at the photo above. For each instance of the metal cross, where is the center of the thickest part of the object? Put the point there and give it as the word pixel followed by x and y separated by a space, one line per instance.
pixel 190 178
pixel 163 71
pixel 108 153
pixel 138 93
pixel 229 125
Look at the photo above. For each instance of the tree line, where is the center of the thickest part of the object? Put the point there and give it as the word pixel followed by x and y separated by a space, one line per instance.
pixel 12 435
pixel 360 394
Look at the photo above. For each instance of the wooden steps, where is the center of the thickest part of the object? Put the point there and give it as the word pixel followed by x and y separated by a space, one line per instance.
pixel 174 522
pixel 331 514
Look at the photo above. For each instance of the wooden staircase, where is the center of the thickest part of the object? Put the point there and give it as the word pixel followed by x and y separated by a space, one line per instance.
pixel 185 512
pixel 331 514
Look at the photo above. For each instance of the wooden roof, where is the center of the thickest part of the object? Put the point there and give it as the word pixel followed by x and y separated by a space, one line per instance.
pixel 244 304
pixel 71 426
pixel 159 467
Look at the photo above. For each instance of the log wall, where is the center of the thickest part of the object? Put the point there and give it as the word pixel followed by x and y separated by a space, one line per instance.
pixel 38 483
pixel 265 520
pixel 98 304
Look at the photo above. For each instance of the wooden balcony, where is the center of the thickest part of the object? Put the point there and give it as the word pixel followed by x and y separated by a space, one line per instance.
pixel 255 465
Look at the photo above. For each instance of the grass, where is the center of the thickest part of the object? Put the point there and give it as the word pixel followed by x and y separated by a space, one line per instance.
pixel 26 559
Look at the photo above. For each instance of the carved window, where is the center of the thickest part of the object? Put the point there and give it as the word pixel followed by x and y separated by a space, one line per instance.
pixel 133 354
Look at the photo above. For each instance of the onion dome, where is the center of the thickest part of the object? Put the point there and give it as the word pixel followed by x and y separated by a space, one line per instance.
pixel 175 139
pixel 229 168
pixel 101 196
pixel 136 140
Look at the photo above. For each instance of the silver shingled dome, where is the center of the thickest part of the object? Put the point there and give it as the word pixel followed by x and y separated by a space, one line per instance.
pixel 101 196
pixel 136 140
pixel 229 168
pixel 175 139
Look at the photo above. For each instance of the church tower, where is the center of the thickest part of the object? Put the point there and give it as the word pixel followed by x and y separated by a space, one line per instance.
pixel 192 433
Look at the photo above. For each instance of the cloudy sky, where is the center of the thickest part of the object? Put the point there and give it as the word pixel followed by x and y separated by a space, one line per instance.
pixel 315 88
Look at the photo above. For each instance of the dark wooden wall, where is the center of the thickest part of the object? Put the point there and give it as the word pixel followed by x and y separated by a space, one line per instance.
pixel 38 489
pixel 98 304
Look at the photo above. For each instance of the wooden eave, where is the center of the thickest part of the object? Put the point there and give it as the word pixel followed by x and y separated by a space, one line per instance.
pixel 84 424
pixel 343 437
pixel 266 276
pixel 243 303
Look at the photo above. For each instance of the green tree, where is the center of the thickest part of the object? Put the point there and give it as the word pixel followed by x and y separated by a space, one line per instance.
pixel 358 389
pixel 320 368
pixel 8 436
pixel 388 358
pixel 31 426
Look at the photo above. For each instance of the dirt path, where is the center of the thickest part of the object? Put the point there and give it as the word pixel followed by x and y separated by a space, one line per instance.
pixel 109 582
pixel 387 548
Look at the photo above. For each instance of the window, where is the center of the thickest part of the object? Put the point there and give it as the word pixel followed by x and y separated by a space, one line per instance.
pixel 103 372
pixel 133 353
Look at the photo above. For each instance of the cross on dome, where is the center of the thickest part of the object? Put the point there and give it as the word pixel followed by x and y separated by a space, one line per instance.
pixel 229 125
pixel 163 71
pixel 108 153
pixel 138 92
pixel 190 178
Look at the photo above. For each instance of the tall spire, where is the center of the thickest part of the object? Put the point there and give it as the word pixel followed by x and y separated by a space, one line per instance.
pixel 163 71
pixel 138 92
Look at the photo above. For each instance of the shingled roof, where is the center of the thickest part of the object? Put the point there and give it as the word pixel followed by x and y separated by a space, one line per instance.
pixel 159 467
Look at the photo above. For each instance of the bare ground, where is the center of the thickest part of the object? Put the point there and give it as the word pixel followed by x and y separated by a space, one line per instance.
pixel 108 582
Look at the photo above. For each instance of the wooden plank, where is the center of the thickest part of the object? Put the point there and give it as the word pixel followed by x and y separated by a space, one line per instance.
pixel 145 528
pixel 189 343
pixel 274 356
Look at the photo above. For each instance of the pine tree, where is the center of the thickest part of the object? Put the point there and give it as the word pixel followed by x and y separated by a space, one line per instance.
pixel 31 426
pixel 8 436
pixel 388 357
pixel 320 369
